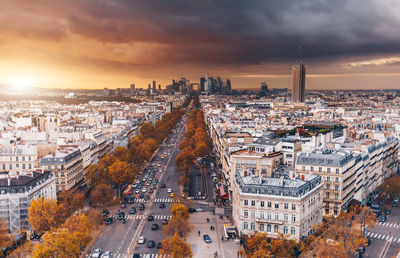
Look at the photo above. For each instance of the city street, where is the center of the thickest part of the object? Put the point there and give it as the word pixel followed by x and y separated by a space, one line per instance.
pixel 121 239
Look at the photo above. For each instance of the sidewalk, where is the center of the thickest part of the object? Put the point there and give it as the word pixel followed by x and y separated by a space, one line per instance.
pixel 226 249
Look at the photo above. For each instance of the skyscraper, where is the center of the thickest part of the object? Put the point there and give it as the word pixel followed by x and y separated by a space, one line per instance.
pixel 298 82
pixel 154 86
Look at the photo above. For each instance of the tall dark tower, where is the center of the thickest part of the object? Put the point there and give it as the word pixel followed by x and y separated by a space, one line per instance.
pixel 154 86
pixel 298 82
pixel 202 81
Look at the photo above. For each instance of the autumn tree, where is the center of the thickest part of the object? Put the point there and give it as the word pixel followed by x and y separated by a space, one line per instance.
pixel 391 186
pixel 44 214
pixel 148 130
pixel 5 237
pixel 175 246
pixel 22 251
pixel 102 194
pixel 256 246
pixel 180 221
pixel 79 226
pixel 121 172
pixel 70 201
pixel 179 210
pixel 95 218
pixel 364 217
pixel 122 154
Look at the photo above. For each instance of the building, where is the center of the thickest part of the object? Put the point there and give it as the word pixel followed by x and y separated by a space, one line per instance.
pixel 277 205
pixel 18 157
pixel 66 165
pixel 264 89
pixel 298 82
pixel 17 190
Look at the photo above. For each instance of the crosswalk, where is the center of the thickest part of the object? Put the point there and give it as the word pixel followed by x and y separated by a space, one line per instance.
pixel 125 255
pixel 383 237
pixel 142 216
pixel 388 224
pixel 161 200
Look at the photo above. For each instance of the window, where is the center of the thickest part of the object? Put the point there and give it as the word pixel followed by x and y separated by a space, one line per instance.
pixel 293 231
pixel 328 170
pixel 328 186
pixel 286 206
pixel 30 166
pixel 252 226
pixel 328 179
pixel 269 215
pixel 285 230
pixel 245 225
pixel 261 227
pixel 246 202
pixel 253 203
pixel 23 166
pixel 269 204
pixel 335 212
pixel 10 166
pixel 276 228
pixel 311 169
pixel 293 206
pixel 245 213
pixel 286 217
pixel 336 188
pixel 262 203
pixel 337 171
pixel 16 158
pixel 276 216
pixel 4 166
pixel 327 195
pixel 263 171
pixel 293 218
pixel 261 215
pixel 320 169
pixel 269 228
pixel 336 196
pixel 253 214
pixel 17 165
pixel 276 205
pixel 304 168
pixel 337 180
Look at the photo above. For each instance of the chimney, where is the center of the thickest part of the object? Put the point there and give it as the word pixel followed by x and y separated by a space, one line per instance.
pixel 282 180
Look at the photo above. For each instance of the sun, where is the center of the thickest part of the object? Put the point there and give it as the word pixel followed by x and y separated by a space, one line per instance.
pixel 20 83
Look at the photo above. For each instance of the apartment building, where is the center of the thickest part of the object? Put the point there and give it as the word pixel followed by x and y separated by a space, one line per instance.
pixel 18 157
pixel 276 205
pixel 17 190
pixel 66 165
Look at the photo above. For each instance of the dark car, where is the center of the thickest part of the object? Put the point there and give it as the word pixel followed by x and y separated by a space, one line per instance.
pixel 159 245
pixel 141 206
pixel 154 226
pixel 132 210
pixel 382 218
pixel 131 200
pixel 151 244
pixel 394 204
pixel 109 221
pixel 146 198
pixel 136 255
pixel 164 221
pixel 125 199
pixel 163 186
pixel 121 215
pixel 123 205
pixel 207 238
pixel 105 212
pixel 150 218
pixel 151 190
pixel 162 205
pixel 141 195
pixel 388 211
pixel 155 181
pixel 191 210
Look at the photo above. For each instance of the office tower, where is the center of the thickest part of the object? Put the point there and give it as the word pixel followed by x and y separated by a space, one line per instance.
pixel 159 86
pixel 202 82
pixel 154 86
pixel 228 85
pixel 264 89
pixel 132 89
pixel 298 82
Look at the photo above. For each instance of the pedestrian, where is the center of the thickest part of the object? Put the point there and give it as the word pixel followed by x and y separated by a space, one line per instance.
pixel 198 233
pixel 222 238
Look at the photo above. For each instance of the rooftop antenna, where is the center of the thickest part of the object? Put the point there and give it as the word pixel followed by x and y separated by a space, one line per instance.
pixel 300 54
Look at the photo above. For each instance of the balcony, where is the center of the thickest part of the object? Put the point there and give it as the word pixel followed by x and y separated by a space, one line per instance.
pixel 269 221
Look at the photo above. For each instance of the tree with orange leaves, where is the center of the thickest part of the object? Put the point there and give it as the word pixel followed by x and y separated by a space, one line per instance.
pixel 102 194
pixel 44 214
pixel 175 246
pixel 122 154
pixel 121 172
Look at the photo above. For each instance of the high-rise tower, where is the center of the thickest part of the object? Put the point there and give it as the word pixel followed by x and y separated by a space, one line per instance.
pixel 298 82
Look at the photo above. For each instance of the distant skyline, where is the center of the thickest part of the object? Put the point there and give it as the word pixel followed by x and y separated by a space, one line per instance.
pixel 96 44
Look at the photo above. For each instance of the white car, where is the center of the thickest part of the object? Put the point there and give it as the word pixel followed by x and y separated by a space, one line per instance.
pixel 144 190
pixel 199 209
pixel 141 240
pixel 161 170
pixel 137 191
pixel 169 154
pixel 96 253
pixel 169 190
pixel 107 254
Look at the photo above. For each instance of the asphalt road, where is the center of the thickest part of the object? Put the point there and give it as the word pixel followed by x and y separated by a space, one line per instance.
pixel 121 239
pixel 380 236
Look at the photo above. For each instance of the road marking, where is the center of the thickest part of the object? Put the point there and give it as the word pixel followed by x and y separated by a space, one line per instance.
pixel 368 233
pixel 398 240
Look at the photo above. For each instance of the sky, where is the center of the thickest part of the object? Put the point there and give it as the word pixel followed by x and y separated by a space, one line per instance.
pixel 113 43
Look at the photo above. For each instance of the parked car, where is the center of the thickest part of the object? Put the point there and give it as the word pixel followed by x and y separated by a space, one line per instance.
pixel 96 253
pixel 207 239
pixel 164 221
pixel 159 245
pixel 105 212
pixel 388 211
pixel 131 200
pixel 123 205
pixel 154 226
pixel 382 218
pixel 163 185
pixel 191 210
pixel 107 254
pixel 162 206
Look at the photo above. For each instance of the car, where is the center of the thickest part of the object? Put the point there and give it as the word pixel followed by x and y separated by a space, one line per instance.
pixel 154 226
pixel 130 192
pixel 151 190
pixel 160 170
pixel 207 239
pixel 169 154
pixel 146 198
pixel 155 182
pixel 164 222
pixel 139 186
pixel 159 245
pixel 388 211
pixel 151 244
pixel 141 195
pixel 162 205
pixel 136 255
pixel 169 190
pixel 150 218
pixel 382 218
pixel 199 194
pixel 123 205
pixel 144 179
pixel 191 210
pixel 131 200
pixel 97 253
pixel 107 254
pixel 163 185
pixel 141 240
pixel 125 199
pixel 141 206
pixel 132 210
pixel 172 195
pixel 121 215
pixel 134 185
pixel 109 221
pixel 144 190
pixel 148 183
pixel 105 213
pixel 159 165
pixel 394 204
pixel 199 209
pixel 137 191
